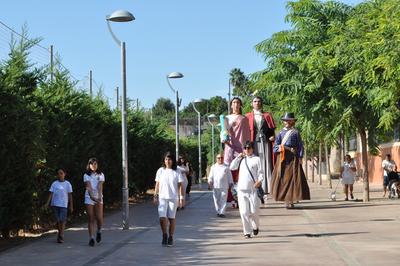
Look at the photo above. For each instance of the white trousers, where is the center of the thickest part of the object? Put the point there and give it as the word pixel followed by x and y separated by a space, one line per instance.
pixel 249 208
pixel 220 195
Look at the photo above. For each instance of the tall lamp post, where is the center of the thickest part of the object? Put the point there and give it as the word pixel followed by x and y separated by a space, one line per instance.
pixel 229 97
pixel 176 75
pixel 198 133
pixel 212 119
pixel 123 16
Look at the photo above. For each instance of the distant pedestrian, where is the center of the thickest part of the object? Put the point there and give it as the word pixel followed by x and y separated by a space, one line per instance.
pixel 94 180
pixel 168 195
pixel 389 167
pixel 183 167
pixel 59 199
pixel 289 183
pixel 250 178
pixel 348 173
pixel 190 179
pixel 220 181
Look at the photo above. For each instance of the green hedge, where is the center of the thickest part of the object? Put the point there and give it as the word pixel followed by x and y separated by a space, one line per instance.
pixel 45 125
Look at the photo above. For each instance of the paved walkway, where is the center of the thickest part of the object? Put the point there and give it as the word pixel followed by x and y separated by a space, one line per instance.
pixel 319 232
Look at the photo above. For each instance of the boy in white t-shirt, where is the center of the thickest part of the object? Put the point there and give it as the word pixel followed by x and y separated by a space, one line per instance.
pixel 168 195
pixel 60 197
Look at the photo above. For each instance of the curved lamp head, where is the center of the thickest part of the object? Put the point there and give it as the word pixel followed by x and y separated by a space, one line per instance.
pixel 175 75
pixel 198 101
pixel 120 16
pixel 212 119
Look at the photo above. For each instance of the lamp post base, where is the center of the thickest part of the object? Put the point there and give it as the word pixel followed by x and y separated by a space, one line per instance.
pixel 125 208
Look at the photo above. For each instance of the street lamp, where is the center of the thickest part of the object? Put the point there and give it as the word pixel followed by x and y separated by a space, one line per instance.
pixel 212 119
pixel 176 75
pixel 229 96
pixel 199 134
pixel 123 16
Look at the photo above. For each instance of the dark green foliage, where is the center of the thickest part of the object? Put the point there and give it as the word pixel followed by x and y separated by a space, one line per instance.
pixel 45 125
pixel 164 109
pixel 337 68
pixel 20 140
pixel 240 83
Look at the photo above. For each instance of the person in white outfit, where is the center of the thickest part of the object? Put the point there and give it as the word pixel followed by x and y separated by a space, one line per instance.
pixel 348 173
pixel 168 195
pixel 94 180
pixel 220 180
pixel 183 167
pixel 250 178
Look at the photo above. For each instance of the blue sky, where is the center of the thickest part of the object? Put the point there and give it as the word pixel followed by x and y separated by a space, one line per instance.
pixel 202 39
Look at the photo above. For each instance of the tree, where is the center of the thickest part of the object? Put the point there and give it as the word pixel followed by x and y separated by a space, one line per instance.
pixel 20 142
pixel 337 69
pixel 164 108
pixel 367 49
pixel 239 82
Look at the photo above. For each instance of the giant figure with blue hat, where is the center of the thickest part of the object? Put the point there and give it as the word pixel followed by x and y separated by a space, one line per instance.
pixel 289 183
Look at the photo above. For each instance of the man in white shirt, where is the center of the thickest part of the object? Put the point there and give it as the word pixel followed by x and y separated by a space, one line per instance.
pixel 388 166
pixel 250 178
pixel 220 179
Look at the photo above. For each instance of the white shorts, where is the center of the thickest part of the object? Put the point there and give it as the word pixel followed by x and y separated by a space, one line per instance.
pixel 167 208
pixel 89 201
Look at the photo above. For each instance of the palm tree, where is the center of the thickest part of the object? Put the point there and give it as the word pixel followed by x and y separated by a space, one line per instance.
pixel 239 81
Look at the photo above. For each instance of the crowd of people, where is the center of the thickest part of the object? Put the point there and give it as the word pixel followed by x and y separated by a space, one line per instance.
pixel 261 163
pixel 255 165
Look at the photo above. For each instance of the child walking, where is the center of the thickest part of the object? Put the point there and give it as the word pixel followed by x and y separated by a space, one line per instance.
pixel 59 199
pixel 94 180
pixel 168 195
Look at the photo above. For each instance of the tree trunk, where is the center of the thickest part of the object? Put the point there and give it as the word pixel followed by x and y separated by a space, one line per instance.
pixel 364 156
pixel 342 151
pixel 312 168
pixel 328 165
pixel 305 160
pixel 320 162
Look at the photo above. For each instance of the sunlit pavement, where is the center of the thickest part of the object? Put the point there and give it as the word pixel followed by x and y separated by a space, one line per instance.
pixel 318 232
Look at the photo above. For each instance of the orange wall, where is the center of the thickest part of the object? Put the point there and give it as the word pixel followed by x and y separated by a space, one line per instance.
pixel 375 162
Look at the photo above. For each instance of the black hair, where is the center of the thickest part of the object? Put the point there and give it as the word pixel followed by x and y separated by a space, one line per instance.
pixel 249 144
pixel 241 103
pixel 181 160
pixel 61 168
pixel 388 155
pixel 170 155
pixel 91 161
pixel 259 98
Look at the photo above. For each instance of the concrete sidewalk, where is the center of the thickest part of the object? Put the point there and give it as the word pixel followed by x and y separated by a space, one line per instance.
pixel 318 232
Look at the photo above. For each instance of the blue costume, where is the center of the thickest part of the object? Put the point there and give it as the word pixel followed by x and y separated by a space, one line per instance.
pixel 289 183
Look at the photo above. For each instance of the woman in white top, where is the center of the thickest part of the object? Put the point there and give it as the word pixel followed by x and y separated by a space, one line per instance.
pixel 348 173
pixel 94 180
pixel 168 194
pixel 183 167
